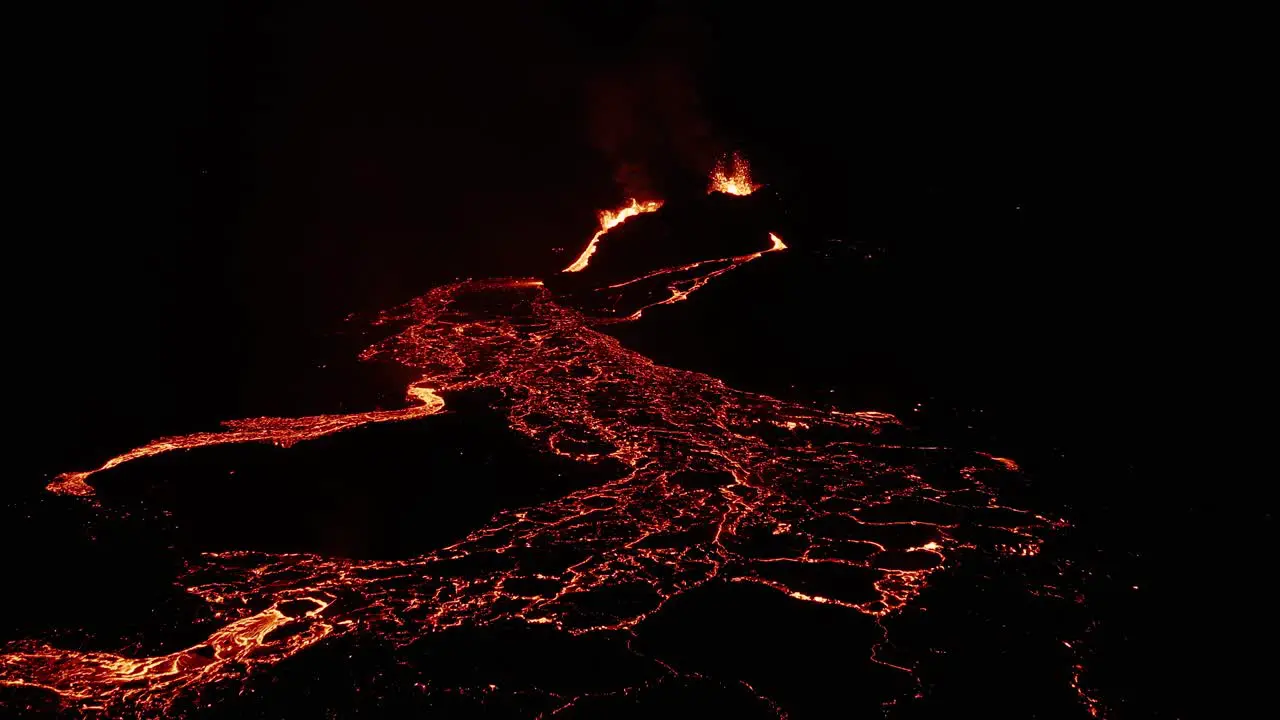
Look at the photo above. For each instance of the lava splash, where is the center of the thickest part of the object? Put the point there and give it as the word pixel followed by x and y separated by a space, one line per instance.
pixel 732 176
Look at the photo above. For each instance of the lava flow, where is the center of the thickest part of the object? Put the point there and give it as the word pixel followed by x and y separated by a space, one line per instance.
pixel 278 431
pixel 608 221
pixel 714 484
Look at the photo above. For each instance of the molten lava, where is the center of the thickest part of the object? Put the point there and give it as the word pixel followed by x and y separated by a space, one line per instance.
pixel 732 176
pixel 715 484
pixel 278 431
pixel 608 221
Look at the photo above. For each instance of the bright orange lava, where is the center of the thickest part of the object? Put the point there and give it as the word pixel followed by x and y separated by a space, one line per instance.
pixel 732 175
pixel 278 431
pixel 714 484
pixel 608 221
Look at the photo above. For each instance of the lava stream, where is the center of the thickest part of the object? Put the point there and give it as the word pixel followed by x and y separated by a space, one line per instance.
pixel 279 431
pixel 608 221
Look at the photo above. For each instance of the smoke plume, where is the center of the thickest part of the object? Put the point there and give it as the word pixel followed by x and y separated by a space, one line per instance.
pixel 645 115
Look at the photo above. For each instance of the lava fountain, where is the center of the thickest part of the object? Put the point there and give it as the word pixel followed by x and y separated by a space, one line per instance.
pixel 732 176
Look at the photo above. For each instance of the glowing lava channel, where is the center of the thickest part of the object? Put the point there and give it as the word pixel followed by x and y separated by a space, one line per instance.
pixel 682 287
pixel 608 221
pixel 282 432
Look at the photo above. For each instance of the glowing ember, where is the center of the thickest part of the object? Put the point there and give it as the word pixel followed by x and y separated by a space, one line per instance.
pixel 732 176
pixel 608 221
pixel 715 484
